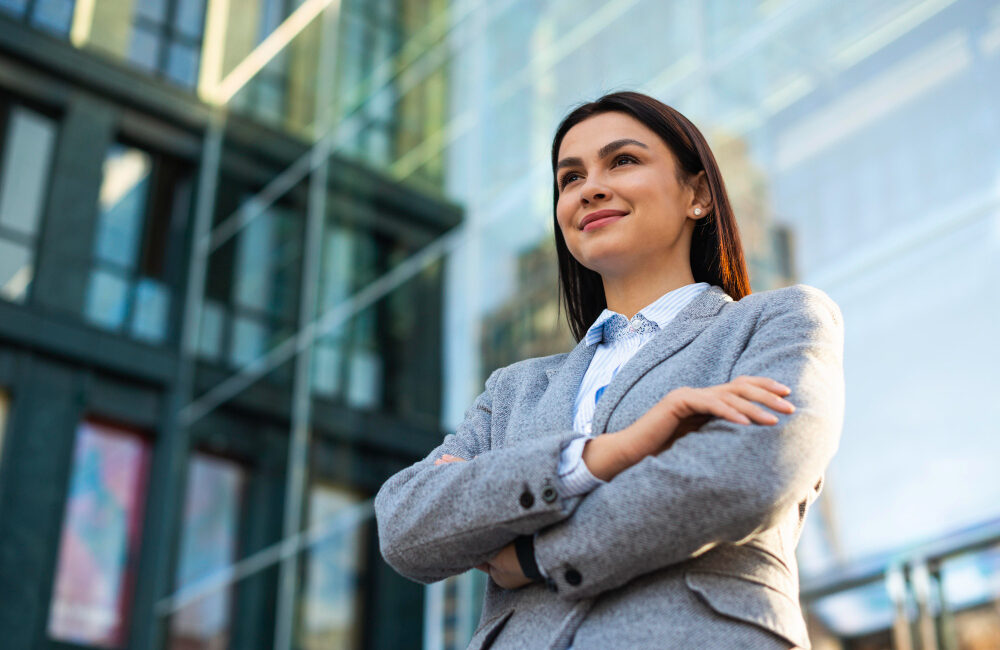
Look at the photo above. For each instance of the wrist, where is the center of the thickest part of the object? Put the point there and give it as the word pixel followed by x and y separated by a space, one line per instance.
pixel 524 549
pixel 609 454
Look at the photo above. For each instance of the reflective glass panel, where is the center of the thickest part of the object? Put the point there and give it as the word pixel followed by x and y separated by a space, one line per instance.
pixel 334 569
pixel 208 545
pixel 106 302
pixel 54 15
pixel 150 310
pixel 15 271
pixel 15 7
pixel 27 156
pixel 190 17
pixel 123 197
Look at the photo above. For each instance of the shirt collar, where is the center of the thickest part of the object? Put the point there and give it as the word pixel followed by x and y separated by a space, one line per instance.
pixel 661 311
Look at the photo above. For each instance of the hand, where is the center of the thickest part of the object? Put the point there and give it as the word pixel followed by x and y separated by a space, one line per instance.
pixel 504 567
pixel 448 458
pixel 694 406
pixel 686 409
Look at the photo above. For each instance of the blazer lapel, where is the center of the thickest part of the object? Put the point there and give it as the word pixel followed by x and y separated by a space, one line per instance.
pixel 680 331
pixel 554 411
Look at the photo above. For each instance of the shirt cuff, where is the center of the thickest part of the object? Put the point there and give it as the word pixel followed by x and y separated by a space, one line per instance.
pixel 574 474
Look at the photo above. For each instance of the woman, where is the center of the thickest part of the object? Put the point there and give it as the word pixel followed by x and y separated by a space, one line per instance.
pixel 635 492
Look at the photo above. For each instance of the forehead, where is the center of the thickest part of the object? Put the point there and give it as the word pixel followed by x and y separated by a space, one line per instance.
pixel 585 138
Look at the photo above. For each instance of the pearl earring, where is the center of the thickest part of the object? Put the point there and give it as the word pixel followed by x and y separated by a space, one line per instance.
pixel 697 211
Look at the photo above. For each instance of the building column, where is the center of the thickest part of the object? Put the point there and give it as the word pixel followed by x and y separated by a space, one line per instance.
pixel 66 243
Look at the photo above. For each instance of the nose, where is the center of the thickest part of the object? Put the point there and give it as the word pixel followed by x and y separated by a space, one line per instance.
pixel 593 191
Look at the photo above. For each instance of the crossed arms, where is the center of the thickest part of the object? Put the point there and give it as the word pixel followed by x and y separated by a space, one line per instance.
pixel 721 484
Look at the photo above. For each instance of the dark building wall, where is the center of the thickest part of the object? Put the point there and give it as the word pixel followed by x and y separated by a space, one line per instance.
pixel 65 246
pixel 59 369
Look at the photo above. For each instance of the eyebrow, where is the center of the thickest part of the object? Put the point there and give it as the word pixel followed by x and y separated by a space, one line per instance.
pixel 603 152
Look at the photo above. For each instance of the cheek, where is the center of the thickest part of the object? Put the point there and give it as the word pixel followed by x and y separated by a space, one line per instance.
pixel 564 213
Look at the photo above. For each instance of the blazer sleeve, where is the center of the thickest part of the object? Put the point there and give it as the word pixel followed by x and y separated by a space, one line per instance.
pixel 725 482
pixel 435 521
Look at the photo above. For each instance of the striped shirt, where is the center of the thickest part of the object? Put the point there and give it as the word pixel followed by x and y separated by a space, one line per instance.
pixel 608 358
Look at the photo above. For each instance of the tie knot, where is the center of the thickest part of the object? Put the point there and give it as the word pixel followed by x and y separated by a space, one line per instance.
pixel 618 327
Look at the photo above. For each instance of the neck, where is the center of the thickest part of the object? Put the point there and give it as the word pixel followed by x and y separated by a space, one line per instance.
pixel 627 294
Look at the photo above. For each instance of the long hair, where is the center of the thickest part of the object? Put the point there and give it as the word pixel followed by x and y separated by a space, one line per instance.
pixel 716 252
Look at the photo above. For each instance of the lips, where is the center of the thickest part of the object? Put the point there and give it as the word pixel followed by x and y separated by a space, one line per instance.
pixel 600 214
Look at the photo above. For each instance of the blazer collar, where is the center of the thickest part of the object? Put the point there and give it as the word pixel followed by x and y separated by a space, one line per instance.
pixel 556 408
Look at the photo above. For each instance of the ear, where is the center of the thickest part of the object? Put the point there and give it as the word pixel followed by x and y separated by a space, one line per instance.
pixel 701 195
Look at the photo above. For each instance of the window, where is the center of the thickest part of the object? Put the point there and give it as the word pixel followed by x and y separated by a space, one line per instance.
pixel 54 16
pixel 208 545
pixel 252 287
pixel 140 196
pixel 348 361
pixel 166 38
pixel 100 536
pixel 334 572
pixel 27 145
pixel 371 37
pixel 267 93
pixel 265 283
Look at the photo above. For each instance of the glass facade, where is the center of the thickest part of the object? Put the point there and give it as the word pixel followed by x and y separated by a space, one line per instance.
pixel 209 544
pixel 291 239
pixel 334 577
pixel 139 198
pixel 27 146
pixel 54 16
pixel 166 38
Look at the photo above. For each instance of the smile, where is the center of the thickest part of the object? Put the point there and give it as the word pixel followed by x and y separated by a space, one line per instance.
pixel 603 221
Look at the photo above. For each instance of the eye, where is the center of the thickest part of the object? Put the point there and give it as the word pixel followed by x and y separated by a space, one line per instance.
pixel 566 178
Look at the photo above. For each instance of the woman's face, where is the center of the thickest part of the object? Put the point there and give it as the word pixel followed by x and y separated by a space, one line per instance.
pixel 612 161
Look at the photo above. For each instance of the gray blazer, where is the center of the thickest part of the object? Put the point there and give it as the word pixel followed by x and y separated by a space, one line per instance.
pixel 692 548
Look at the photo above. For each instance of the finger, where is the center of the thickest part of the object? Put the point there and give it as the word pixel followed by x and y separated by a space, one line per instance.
pixel 765 382
pixel 764 396
pixel 715 401
pixel 722 407
pixel 749 409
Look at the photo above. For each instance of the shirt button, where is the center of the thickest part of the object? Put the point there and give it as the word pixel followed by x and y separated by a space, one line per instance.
pixel 573 577
pixel 549 494
pixel 527 499
pixel 589 427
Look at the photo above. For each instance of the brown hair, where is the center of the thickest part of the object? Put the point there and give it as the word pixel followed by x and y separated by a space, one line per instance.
pixel 716 252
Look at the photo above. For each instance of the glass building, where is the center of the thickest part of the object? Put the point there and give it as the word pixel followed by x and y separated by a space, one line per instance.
pixel 256 256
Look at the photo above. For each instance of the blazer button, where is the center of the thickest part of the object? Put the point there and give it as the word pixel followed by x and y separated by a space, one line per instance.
pixel 573 577
pixel 549 494
pixel 527 499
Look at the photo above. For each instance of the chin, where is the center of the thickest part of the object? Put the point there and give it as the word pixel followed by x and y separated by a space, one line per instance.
pixel 607 263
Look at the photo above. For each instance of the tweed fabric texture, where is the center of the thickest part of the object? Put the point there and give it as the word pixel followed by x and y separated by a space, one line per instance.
pixel 693 547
